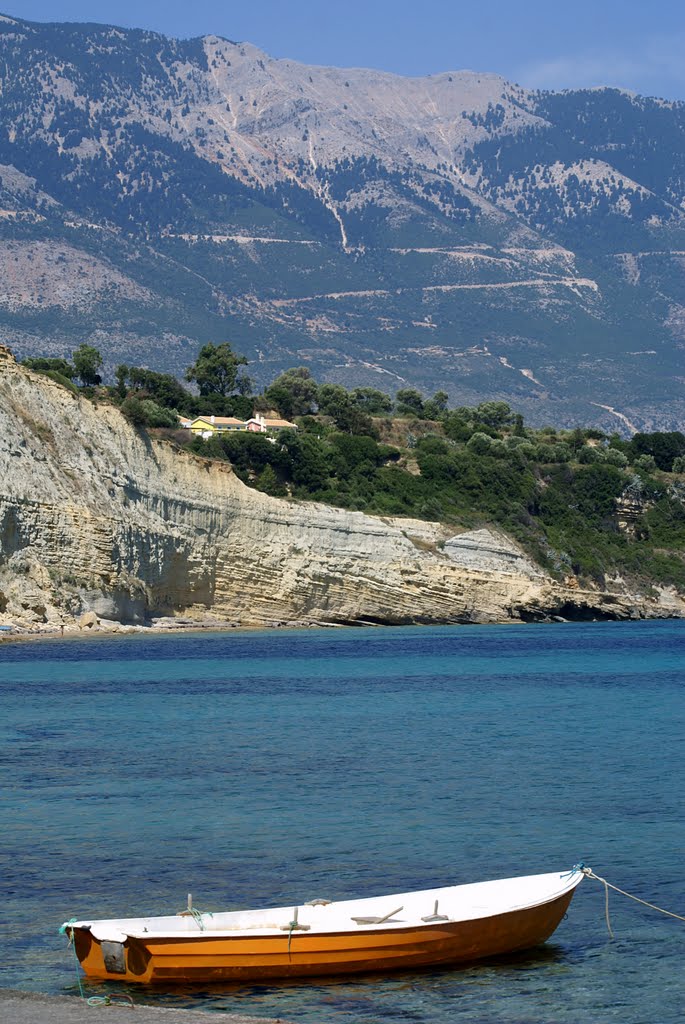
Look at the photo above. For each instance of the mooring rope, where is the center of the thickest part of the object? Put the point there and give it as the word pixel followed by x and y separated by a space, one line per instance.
pixel 77 965
pixel 197 916
pixel 294 926
pixel 589 873
pixel 291 928
pixel 121 999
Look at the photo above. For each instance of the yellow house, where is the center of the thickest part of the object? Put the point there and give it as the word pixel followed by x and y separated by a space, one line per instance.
pixel 206 426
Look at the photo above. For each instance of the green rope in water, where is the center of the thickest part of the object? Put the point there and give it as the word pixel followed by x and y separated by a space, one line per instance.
pixel 77 965
pixel 121 999
pixel 64 930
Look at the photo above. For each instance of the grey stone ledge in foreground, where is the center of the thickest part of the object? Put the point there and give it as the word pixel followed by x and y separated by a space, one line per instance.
pixel 34 1008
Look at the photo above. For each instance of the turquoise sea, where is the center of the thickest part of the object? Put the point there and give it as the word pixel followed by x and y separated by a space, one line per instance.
pixel 275 767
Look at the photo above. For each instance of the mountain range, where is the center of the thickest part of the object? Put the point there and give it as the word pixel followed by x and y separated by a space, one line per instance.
pixel 456 232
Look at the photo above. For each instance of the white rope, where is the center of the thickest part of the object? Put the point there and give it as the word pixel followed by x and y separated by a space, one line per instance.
pixel 589 873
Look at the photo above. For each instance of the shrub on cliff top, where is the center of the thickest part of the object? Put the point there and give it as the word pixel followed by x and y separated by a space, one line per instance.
pixel 143 412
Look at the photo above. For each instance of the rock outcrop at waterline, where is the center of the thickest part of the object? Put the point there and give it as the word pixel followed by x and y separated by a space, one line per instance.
pixel 95 517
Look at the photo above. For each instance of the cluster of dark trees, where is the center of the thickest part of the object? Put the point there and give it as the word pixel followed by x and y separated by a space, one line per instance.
pixel 85 366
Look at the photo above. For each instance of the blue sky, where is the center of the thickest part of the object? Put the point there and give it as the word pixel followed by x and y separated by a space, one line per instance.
pixel 625 43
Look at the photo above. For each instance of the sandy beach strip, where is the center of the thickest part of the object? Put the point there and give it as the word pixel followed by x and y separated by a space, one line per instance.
pixel 155 629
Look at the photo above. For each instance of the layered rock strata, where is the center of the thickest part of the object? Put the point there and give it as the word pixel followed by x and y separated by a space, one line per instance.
pixel 97 517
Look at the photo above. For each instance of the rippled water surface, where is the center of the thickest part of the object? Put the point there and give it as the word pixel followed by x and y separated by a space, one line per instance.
pixel 257 768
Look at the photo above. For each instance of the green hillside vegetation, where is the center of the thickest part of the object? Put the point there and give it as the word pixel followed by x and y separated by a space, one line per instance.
pixel 583 503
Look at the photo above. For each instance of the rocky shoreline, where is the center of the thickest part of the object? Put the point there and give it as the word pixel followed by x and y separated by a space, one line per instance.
pixel 111 629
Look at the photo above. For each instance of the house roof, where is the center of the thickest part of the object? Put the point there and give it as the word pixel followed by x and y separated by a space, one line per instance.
pixel 277 423
pixel 219 421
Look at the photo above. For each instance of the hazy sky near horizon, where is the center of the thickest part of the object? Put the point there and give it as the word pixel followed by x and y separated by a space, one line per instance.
pixel 538 43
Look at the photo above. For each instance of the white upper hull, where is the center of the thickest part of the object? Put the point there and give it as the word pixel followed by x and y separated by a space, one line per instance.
pixel 456 903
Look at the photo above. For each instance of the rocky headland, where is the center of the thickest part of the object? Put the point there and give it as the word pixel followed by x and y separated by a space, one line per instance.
pixel 102 526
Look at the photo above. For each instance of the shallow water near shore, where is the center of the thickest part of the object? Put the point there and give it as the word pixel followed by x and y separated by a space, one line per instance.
pixel 276 767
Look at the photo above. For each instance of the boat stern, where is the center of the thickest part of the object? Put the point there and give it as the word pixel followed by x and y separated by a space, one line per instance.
pixel 113 957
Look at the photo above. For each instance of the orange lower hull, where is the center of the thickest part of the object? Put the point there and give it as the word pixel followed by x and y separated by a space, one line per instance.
pixel 239 957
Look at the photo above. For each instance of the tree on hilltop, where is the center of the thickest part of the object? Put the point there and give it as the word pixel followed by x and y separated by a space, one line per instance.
pixel 87 363
pixel 163 388
pixel 293 393
pixel 340 405
pixel 216 371
pixel 372 401
pixel 436 406
pixel 494 414
pixel 332 399
pixel 409 402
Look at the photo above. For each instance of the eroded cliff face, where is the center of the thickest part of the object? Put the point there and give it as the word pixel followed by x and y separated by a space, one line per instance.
pixel 95 516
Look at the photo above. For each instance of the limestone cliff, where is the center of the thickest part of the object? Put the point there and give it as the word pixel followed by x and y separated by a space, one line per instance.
pixel 95 516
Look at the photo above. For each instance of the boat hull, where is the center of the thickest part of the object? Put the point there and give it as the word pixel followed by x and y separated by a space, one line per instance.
pixel 206 958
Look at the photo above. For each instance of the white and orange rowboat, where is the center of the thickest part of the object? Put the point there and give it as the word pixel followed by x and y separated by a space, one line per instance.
pixel 434 927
